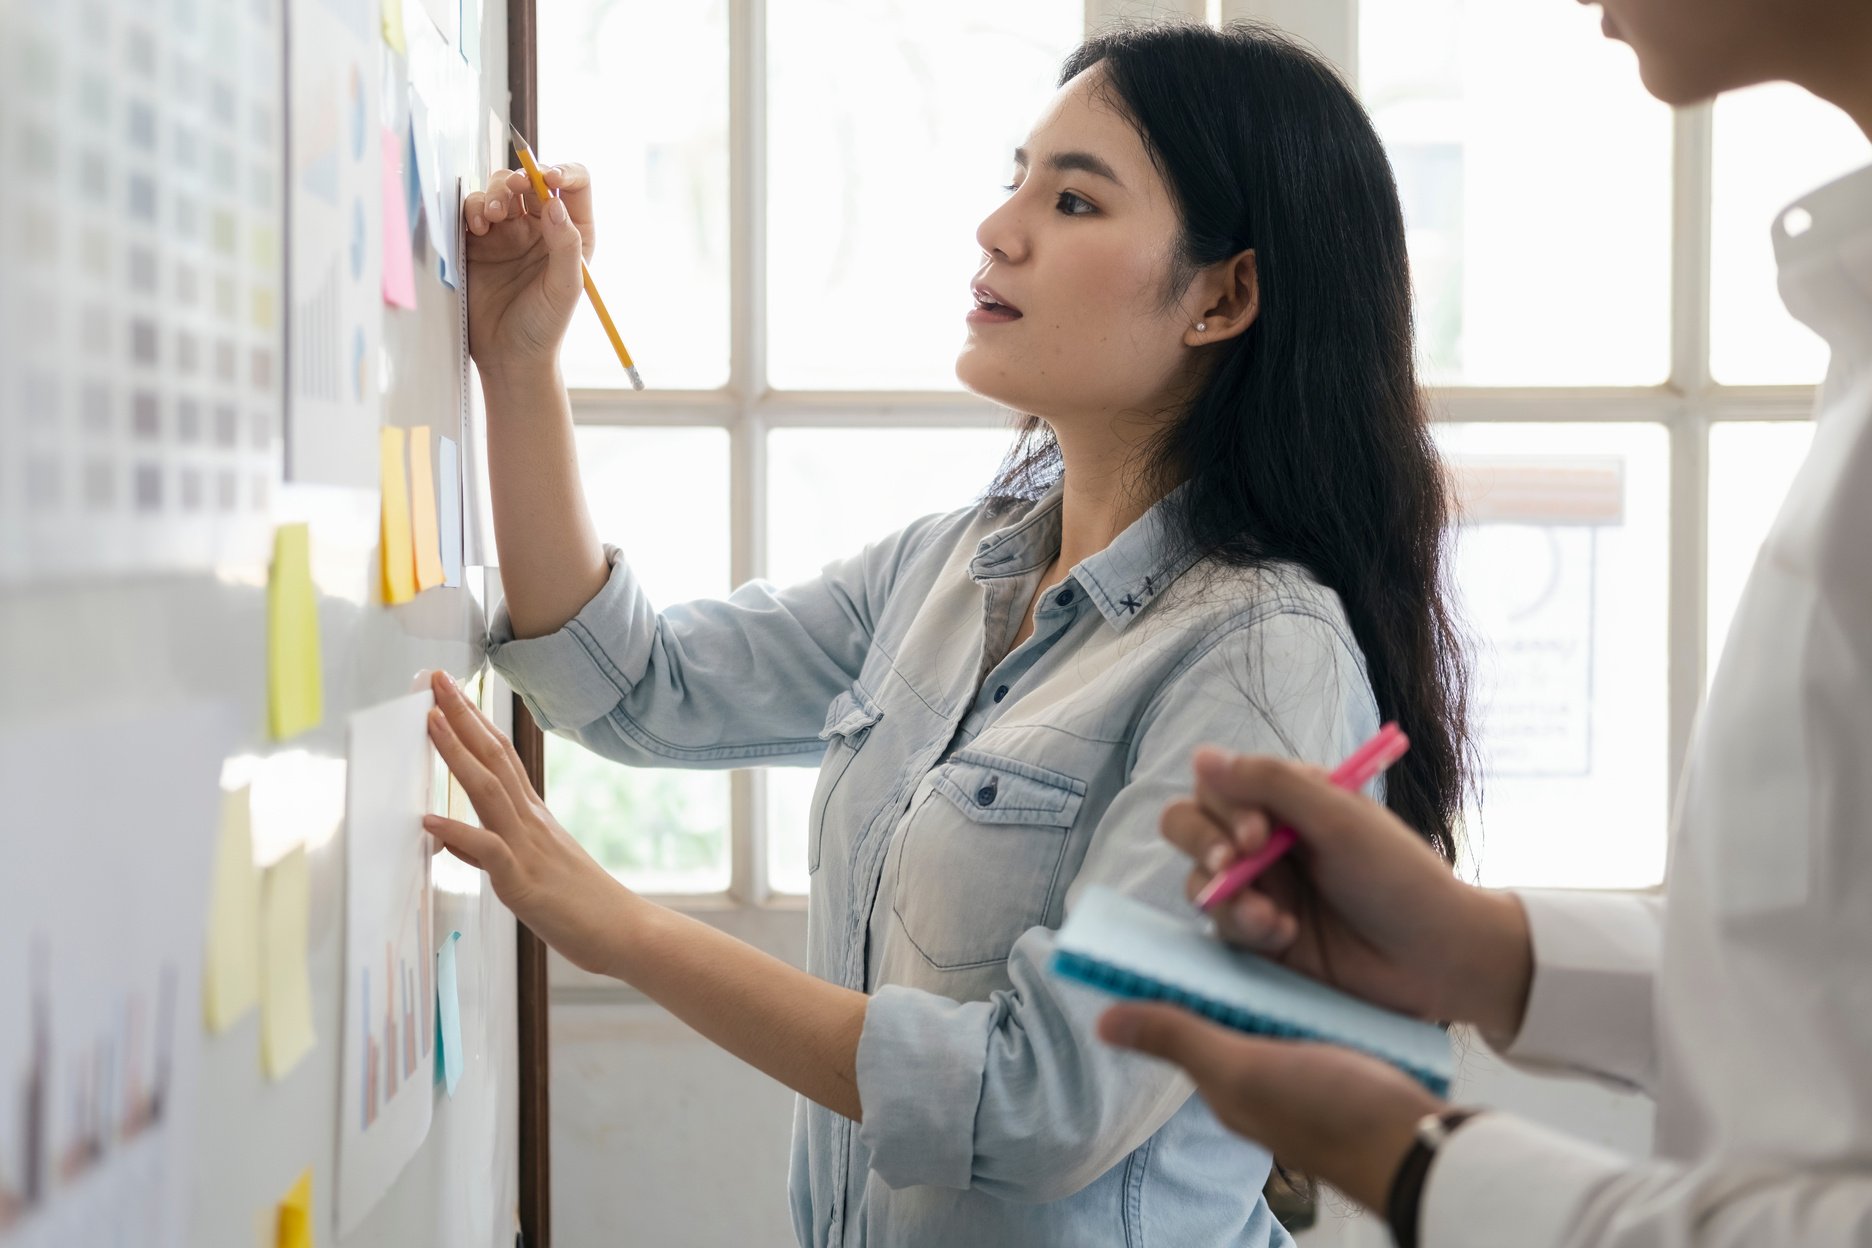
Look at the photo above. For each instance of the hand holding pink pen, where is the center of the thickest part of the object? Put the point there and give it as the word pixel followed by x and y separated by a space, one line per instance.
pixel 1365 763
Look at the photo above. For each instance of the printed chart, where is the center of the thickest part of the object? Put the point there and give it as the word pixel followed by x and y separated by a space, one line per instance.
pixel 100 977
pixel 389 1027
pixel 336 318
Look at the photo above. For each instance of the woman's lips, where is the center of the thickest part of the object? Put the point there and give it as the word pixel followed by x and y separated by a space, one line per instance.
pixel 990 308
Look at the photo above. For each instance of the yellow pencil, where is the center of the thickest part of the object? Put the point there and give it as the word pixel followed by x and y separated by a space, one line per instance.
pixel 591 289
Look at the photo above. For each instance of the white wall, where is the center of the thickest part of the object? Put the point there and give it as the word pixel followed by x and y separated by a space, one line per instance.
pixel 659 1139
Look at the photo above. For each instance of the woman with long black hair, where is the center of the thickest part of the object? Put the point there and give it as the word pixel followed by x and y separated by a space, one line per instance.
pixel 1224 522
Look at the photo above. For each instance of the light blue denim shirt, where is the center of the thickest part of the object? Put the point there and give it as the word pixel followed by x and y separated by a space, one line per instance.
pixel 966 794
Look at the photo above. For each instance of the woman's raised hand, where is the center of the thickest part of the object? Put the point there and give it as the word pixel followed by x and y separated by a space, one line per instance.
pixel 524 258
pixel 1360 901
pixel 544 876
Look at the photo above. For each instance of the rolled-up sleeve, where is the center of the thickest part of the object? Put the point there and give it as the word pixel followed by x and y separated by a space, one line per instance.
pixel 1016 1095
pixel 1590 1008
pixel 710 683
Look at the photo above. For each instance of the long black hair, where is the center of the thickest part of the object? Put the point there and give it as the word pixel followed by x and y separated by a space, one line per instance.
pixel 1308 441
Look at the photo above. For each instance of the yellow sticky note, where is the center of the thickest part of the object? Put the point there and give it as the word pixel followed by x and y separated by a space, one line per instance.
pixel 395 550
pixel 295 1216
pixel 423 510
pixel 231 979
pixel 393 26
pixel 295 681
pixel 285 988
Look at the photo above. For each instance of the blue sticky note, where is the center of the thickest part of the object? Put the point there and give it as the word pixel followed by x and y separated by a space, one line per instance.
pixel 412 181
pixel 449 510
pixel 448 1015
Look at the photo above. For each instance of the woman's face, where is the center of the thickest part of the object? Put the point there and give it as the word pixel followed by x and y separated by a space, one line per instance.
pixel 1067 318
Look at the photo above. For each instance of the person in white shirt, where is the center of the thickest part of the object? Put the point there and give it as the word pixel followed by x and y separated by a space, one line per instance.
pixel 1743 1004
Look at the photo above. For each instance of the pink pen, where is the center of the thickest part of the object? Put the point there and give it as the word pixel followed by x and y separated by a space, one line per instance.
pixel 1366 762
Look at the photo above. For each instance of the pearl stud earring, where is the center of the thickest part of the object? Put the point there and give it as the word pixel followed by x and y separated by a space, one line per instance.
pixel 1201 326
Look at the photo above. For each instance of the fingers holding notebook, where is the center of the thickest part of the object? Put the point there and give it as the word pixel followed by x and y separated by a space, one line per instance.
pixel 1361 901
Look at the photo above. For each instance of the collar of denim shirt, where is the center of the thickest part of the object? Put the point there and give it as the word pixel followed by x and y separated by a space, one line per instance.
pixel 1122 580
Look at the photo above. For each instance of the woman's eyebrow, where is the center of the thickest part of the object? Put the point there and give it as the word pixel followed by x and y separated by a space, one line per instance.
pixel 1063 162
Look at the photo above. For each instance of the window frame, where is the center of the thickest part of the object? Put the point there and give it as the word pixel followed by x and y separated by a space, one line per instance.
pixel 1688 405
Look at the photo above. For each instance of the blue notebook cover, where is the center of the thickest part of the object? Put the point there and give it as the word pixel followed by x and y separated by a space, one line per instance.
pixel 1127 948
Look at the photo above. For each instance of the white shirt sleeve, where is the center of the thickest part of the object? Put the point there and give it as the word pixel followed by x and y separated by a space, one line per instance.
pixel 1591 1008
pixel 1478 1195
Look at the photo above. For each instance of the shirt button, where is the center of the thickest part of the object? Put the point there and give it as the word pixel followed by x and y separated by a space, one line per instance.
pixel 1063 598
pixel 985 795
pixel 1001 693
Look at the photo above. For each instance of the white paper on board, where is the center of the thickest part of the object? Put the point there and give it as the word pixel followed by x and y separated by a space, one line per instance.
pixel 385 1088
pixel 103 919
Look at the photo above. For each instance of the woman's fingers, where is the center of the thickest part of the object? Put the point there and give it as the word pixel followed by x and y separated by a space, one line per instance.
pixel 484 789
pixel 1192 829
pixel 472 845
pixel 477 731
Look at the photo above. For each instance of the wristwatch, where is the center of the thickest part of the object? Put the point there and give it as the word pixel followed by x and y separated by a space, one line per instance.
pixel 1406 1198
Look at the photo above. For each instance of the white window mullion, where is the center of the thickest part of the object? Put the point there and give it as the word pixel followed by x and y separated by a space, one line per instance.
pixel 1687 628
pixel 1102 13
pixel 1691 158
pixel 1331 26
pixel 747 269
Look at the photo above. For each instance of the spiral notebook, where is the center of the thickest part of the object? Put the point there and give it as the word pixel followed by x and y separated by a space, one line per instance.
pixel 1130 949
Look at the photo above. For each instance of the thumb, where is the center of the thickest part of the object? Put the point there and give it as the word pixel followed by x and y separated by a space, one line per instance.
pixel 565 257
pixel 1213 1055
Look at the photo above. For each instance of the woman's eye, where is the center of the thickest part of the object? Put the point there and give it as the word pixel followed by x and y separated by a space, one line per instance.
pixel 1072 205
pixel 1011 187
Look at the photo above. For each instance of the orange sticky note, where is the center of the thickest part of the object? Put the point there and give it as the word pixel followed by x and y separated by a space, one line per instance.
pixel 395 550
pixel 294 1226
pixel 423 510
pixel 399 273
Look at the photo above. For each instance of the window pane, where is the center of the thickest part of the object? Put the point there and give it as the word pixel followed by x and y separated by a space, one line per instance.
pixel 815 514
pixel 1536 179
pixel 891 127
pixel 1752 464
pixel 638 92
pixel 1561 565
pixel 1773 144
pixel 661 831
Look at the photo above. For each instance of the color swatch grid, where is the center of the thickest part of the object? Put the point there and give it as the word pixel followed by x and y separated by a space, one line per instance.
pixel 141 316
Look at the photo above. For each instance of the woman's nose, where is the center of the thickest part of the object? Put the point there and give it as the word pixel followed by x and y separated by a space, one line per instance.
pixel 1000 235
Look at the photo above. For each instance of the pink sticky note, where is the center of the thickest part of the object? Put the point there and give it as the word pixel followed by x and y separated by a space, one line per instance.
pixel 399 272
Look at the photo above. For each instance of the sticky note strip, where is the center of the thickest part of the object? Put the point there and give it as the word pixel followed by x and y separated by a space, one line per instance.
pixel 286 1033
pixel 449 509
pixel 448 1016
pixel 412 177
pixel 423 510
pixel 393 33
pixel 445 219
pixel 295 1216
pixel 399 273
pixel 396 548
pixel 295 679
pixel 440 225
pixel 231 978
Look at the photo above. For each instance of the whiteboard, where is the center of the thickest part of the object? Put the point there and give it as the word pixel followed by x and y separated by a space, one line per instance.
pixel 102 620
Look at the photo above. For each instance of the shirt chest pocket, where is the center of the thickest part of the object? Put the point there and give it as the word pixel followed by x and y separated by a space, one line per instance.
pixel 980 861
pixel 848 723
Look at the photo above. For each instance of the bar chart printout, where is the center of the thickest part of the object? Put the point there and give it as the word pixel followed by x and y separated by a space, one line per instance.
pixel 389 1026
pixel 100 976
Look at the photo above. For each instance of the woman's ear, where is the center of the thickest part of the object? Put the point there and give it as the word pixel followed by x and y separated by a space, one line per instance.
pixel 1230 295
